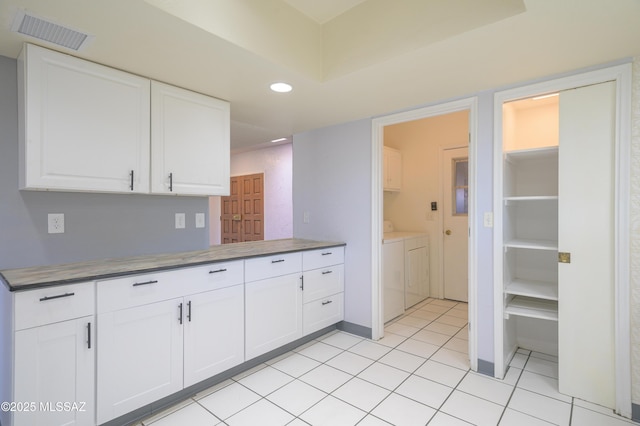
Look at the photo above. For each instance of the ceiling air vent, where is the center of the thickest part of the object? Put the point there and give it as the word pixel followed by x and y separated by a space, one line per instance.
pixel 42 29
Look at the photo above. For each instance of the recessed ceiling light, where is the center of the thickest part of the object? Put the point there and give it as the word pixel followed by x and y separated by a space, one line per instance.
pixel 279 140
pixel 281 87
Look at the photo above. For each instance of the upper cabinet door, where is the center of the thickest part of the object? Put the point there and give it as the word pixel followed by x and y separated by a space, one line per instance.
pixel 189 142
pixel 84 126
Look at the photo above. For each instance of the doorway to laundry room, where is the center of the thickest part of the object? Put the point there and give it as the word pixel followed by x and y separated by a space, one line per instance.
pixel 425 190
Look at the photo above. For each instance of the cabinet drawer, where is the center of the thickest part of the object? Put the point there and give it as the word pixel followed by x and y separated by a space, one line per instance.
pixel 314 259
pixel 221 275
pixel 322 313
pixel 260 268
pixel 323 282
pixel 136 290
pixel 53 304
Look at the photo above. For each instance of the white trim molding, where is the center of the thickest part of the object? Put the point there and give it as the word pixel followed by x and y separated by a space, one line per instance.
pixel 378 125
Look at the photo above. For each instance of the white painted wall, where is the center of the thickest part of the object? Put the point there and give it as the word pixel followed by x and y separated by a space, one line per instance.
pixel 276 164
pixel 332 182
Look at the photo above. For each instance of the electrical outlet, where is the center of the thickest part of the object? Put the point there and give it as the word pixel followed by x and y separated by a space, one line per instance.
pixel 55 223
pixel 180 221
pixel 305 217
pixel 199 220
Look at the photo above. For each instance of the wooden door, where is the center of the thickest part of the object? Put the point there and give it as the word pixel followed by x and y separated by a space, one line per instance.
pixel 586 317
pixel 243 210
pixel 455 221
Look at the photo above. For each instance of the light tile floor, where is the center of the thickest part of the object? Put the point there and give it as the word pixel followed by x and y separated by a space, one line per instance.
pixel 418 374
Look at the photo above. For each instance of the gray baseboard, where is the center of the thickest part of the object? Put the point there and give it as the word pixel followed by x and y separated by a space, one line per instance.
pixel 635 412
pixel 356 329
pixel 485 367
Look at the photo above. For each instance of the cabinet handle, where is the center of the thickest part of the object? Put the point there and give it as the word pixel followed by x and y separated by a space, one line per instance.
pixel 189 310
pixel 327 302
pixel 180 313
pixel 170 182
pixel 326 272
pixel 145 283
pixel 277 261
pixel 218 270
pixel 327 253
pixel 88 335
pixel 44 299
pixel 302 282
pixel 131 183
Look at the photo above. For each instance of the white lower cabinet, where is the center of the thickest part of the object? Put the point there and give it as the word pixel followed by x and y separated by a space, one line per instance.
pixel 106 349
pixel 273 313
pixel 139 357
pixel 213 333
pixel 54 374
pixel 160 347
pixel 323 288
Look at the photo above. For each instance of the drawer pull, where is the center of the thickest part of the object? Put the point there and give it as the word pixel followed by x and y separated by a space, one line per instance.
pixel 326 272
pixel 302 282
pixel 180 313
pixel 218 270
pixel 88 335
pixel 277 261
pixel 189 310
pixel 44 299
pixel 327 302
pixel 145 283
pixel 327 253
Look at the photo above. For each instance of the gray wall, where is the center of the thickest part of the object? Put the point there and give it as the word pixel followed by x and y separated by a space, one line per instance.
pixel 332 181
pixel 96 225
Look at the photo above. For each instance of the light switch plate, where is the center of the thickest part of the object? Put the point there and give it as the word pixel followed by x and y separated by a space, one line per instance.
pixel 180 221
pixel 488 219
pixel 199 220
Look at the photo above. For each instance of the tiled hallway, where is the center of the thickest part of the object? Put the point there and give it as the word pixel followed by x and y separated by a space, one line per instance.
pixel 417 375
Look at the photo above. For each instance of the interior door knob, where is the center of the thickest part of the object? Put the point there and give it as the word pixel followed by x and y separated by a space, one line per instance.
pixel 448 232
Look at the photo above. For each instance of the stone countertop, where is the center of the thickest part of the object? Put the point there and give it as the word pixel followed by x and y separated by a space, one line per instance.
pixel 44 276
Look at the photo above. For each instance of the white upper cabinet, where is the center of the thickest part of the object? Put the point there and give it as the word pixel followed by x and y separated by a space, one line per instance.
pixel 84 126
pixel 88 127
pixel 189 142
pixel 392 169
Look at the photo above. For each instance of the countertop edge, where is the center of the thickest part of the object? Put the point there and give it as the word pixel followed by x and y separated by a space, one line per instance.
pixel 97 277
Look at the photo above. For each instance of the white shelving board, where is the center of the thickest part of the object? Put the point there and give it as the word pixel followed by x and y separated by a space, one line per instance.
pixel 532 308
pixel 530 154
pixel 537 289
pixel 532 244
pixel 516 198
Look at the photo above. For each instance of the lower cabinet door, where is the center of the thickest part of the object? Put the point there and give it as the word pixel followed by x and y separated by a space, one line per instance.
pixel 54 374
pixel 140 357
pixel 273 313
pixel 213 333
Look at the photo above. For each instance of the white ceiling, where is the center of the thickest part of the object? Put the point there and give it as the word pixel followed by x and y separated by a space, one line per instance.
pixel 352 60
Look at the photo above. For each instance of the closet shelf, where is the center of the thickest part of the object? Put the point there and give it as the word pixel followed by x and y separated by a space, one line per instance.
pixel 532 308
pixel 530 154
pixel 515 198
pixel 532 244
pixel 530 288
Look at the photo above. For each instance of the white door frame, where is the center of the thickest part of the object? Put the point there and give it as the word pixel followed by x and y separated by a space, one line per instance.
pixel 378 125
pixel 621 74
